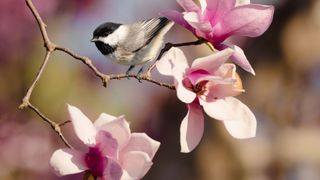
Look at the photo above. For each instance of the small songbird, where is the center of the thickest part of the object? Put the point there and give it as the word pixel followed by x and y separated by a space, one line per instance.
pixel 132 44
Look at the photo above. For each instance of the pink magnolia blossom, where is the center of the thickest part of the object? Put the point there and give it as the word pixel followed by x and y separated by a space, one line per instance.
pixel 210 83
pixel 112 151
pixel 216 20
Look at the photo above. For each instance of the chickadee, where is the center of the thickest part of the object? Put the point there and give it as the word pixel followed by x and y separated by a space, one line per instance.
pixel 131 44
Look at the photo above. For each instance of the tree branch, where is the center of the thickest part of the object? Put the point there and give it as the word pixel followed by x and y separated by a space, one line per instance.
pixel 105 78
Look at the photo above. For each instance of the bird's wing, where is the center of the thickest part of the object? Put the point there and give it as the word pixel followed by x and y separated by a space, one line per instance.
pixel 141 33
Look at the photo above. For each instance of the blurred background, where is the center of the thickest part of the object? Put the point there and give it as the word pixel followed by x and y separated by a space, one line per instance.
pixel 284 95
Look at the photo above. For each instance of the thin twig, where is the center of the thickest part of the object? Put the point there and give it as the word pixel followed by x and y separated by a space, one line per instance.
pixel 64 123
pixel 51 47
pixel 54 125
pixel 26 99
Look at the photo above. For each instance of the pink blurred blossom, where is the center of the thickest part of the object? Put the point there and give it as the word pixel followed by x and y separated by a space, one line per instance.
pixel 210 83
pixel 24 146
pixel 113 152
pixel 217 20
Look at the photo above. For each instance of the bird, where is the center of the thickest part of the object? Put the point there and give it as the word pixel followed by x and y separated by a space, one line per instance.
pixel 132 44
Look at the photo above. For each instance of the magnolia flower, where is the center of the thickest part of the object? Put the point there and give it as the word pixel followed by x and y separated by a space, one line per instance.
pixel 112 151
pixel 210 83
pixel 216 20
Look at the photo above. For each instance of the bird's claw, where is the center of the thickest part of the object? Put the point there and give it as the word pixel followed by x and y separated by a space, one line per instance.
pixel 127 75
pixel 139 77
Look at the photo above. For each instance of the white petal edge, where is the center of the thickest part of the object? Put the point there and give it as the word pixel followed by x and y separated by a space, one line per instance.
pixel 103 119
pixel 185 95
pixel 242 2
pixel 193 19
pixel 82 125
pixel 119 129
pixel 174 61
pixel 136 163
pixel 191 129
pixel 67 161
pixel 142 142
pixel 240 59
pixel 212 62
pixel 245 124
pixel 218 109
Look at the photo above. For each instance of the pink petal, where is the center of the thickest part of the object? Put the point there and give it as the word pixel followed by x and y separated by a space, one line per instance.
pixel 185 95
pixel 194 75
pixel 218 109
pixel 67 161
pixel 248 20
pixel 178 18
pixel 221 91
pixel 216 80
pixel 119 129
pixel 225 87
pixel 113 171
pixel 107 144
pixel 217 9
pixel 83 127
pixel 193 19
pixel 142 142
pixel 188 5
pixel 173 62
pixel 244 124
pixel 240 58
pixel 103 119
pixel 191 129
pixel 212 62
pixel 136 163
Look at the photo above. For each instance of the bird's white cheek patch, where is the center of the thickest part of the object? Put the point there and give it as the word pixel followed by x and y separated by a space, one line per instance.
pixel 112 39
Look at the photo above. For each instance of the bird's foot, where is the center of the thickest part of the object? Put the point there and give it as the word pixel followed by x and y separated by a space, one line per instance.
pixel 128 71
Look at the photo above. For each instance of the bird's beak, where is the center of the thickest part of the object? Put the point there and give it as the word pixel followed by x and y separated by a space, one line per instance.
pixel 94 39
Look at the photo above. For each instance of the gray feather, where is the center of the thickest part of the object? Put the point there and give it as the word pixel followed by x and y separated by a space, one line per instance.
pixel 143 32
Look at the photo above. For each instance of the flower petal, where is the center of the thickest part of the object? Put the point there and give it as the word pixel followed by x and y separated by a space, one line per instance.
pixel 173 63
pixel 119 129
pixel 252 20
pixel 184 94
pixel 216 9
pixel 82 125
pixel 67 161
pixel 136 163
pixel 142 142
pixel 191 129
pixel 113 171
pixel 240 58
pixel 212 62
pixel 229 85
pixel 103 119
pixel 188 5
pixel 193 19
pixel 178 18
pixel 218 109
pixel 107 144
pixel 245 124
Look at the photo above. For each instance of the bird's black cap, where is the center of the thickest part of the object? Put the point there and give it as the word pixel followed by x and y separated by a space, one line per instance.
pixel 105 29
